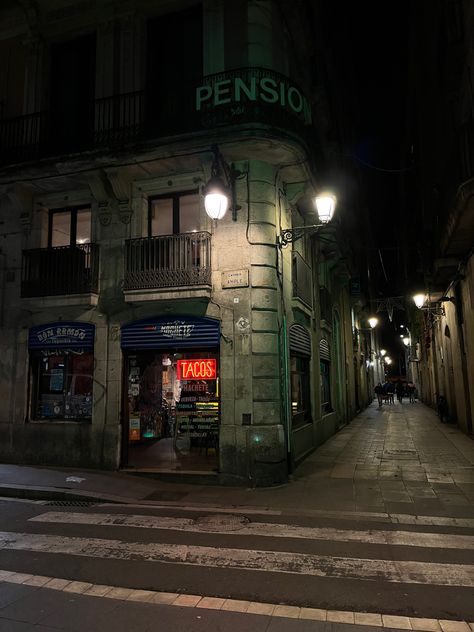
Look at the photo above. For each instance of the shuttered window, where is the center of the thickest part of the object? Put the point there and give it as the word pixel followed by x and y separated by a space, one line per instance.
pixel 300 354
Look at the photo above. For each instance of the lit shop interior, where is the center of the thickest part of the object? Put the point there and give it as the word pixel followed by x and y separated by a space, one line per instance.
pixel 173 410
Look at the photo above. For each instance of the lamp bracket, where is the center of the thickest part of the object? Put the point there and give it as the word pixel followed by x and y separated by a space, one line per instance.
pixel 436 310
pixel 289 235
pixel 220 168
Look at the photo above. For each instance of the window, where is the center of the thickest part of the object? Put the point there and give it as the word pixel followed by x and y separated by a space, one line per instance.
pixel 69 227
pixel 62 386
pixel 300 392
pixel 325 369
pixel 302 279
pixel 13 54
pixel 325 304
pixel 174 214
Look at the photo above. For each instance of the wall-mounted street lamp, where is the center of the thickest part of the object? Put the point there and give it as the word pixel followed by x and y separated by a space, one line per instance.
pixel 383 352
pixel 419 300
pixel 373 322
pixel 406 341
pixel 219 192
pixel 325 204
pixel 435 308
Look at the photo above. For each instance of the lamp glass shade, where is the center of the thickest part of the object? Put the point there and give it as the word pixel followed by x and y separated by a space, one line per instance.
pixel 216 205
pixel 419 300
pixel 383 352
pixel 406 341
pixel 216 198
pixel 325 205
pixel 373 322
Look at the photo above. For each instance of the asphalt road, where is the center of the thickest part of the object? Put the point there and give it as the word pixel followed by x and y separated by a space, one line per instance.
pixel 335 564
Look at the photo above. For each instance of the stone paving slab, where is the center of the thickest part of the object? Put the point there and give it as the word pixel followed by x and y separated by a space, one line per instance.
pixel 397 459
pixel 35 609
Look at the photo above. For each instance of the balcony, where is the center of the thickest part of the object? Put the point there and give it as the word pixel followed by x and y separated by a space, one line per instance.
pixel 173 262
pixel 255 96
pixel 65 270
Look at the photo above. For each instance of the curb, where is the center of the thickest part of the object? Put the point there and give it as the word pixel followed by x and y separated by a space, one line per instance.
pixel 47 493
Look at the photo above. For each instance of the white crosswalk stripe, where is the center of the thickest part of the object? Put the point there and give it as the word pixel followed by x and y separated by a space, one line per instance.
pixel 410 572
pixel 395 538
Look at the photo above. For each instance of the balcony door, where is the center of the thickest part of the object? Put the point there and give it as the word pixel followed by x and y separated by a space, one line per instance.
pixel 69 227
pixel 72 94
pixel 174 70
pixel 175 214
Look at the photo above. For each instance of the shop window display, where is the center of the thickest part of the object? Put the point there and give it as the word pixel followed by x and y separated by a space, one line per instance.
pixel 62 386
pixel 174 396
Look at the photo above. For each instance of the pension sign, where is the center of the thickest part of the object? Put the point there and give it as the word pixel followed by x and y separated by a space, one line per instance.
pixel 237 90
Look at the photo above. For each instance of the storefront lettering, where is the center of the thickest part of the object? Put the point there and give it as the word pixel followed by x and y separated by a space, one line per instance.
pixel 266 89
pixel 196 388
pixel 177 329
pixel 197 369
pixel 61 351
pixel 59 334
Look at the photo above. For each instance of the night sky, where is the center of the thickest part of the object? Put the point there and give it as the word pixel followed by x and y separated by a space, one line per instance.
pixel 371 51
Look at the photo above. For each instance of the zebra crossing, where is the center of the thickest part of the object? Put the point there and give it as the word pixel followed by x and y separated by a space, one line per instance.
pixel 406 571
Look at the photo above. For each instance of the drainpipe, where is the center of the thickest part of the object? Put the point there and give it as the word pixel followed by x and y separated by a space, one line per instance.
pixel 286 391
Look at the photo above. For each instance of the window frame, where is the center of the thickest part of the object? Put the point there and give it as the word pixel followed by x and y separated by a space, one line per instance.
pixel 175 197
pixel 68 378
pixel 326 406
pixel 303 416
pixel 73 210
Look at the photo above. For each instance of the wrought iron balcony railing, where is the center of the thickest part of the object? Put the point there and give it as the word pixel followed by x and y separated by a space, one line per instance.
pixel 21 138
pixel 119 118
pixel 61 270
pixel 169 261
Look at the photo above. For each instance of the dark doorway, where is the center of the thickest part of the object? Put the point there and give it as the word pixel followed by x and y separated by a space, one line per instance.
pixel 174 70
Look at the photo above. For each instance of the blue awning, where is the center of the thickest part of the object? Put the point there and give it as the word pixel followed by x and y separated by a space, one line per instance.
pixel 173 332
pixel 62 335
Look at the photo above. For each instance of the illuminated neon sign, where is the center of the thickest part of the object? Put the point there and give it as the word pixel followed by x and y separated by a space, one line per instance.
pixel 197 369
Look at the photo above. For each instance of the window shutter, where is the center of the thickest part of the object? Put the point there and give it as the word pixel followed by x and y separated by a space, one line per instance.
pixel 300 340
pixel 324 350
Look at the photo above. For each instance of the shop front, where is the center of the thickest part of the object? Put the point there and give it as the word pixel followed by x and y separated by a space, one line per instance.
pixel 171 394
pixel 61 371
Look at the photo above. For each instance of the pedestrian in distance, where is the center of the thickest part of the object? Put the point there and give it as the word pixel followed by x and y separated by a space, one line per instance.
pixel 391 392
pixel 400 389
pixel 442 408
pixel 411 388
pixel 379 392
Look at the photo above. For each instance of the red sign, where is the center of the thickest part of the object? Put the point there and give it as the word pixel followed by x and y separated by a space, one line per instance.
pixel 197 369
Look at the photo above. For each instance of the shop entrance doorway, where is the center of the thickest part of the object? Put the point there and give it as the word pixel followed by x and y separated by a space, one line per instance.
pixel 171 410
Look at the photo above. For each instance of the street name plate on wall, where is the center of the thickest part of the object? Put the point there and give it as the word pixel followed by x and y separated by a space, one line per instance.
pixel 235 278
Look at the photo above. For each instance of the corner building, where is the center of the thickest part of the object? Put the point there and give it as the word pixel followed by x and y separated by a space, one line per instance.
pixel 137 332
